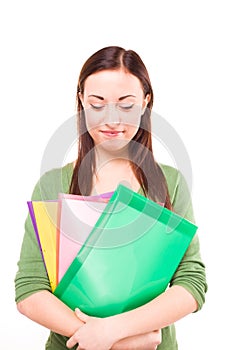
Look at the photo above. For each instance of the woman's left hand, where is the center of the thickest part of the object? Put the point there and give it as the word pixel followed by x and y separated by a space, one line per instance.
pixel 95 334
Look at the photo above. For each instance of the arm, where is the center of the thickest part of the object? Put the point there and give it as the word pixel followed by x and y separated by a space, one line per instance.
pixel 47 310
pixel 147 341
pixel 162 311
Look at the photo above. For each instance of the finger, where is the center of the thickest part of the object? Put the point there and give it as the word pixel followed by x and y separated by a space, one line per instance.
pixel 83 317
pixel 159 334
pixel 72 341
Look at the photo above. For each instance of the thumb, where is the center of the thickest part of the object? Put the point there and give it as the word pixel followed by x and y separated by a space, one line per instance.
pixel 83 317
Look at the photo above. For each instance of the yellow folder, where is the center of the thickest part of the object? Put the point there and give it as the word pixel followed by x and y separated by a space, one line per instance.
pixel 46 222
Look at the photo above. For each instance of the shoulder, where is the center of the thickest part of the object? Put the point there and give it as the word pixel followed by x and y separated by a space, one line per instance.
pixel 172 176
pixel 169 171
pixel 52 182
pixel 179 191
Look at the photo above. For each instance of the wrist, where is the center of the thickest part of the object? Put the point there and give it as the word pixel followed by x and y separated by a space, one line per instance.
pixel 112 328
pixel 116 328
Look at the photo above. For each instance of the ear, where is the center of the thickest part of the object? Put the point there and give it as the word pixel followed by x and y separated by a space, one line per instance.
pixel 145 102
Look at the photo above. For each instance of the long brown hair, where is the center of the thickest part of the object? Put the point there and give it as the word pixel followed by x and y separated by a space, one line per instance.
pixel 145 168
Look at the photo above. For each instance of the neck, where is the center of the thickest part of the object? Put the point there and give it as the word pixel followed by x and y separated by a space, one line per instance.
pixel 104 156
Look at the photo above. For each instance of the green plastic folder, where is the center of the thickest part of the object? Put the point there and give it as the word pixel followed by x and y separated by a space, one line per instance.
pixel 129 257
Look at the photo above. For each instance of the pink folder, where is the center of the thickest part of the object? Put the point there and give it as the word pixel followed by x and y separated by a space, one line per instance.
pixel 77 217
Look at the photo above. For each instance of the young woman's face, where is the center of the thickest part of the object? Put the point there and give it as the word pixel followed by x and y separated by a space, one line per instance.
pixel 113 101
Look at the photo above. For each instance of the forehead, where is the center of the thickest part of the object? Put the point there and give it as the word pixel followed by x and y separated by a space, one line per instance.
pixel 112 83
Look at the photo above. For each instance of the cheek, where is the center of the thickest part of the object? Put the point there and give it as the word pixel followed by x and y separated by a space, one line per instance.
pixel 131 132
pixel 91 121
pixel 132 127
pixel 133 123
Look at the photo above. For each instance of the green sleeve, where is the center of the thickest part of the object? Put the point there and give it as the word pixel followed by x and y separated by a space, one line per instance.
pixel 190 273
pixel 31 276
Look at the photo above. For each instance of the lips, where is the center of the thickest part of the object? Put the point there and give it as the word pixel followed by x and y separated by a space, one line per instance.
pixel 112 133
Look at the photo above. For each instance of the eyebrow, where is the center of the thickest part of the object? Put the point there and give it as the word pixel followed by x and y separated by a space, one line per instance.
pixel 99 97
pixel 120 98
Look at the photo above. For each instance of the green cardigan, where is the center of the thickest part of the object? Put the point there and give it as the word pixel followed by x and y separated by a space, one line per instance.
pixel 31 276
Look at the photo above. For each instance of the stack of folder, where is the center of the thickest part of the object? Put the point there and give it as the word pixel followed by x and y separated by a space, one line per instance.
pixel 111 253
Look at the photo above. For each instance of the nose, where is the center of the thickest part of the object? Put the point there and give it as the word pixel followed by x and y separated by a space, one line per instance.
pixel 112 116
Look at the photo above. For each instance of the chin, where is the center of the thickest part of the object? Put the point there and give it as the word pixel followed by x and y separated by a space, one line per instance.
pixel 114 145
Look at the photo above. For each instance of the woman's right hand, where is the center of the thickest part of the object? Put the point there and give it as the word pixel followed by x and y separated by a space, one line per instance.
pixel 147 341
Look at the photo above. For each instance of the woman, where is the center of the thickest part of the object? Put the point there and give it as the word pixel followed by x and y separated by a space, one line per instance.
pixel 115 100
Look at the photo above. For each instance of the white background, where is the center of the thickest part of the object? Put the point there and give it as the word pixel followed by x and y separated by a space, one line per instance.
pixel 187 48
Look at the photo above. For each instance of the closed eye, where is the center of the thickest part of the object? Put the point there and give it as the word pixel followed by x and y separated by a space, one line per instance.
pixel 97 106
pixel 125 106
